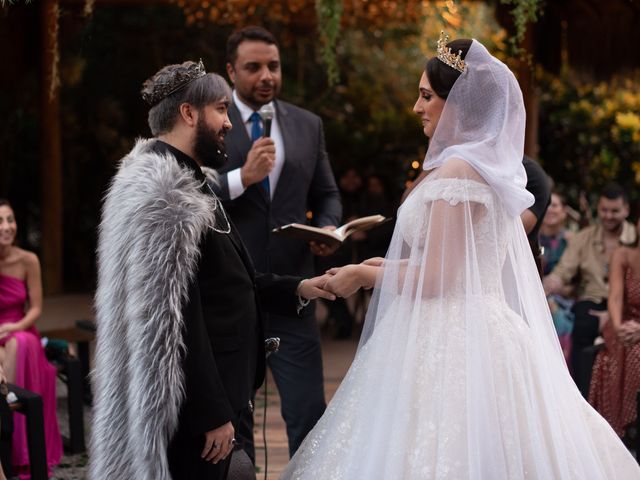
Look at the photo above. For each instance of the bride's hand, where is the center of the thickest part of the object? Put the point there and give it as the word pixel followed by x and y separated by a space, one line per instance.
pixel 374 262
pixel 347 280
pixel 344 281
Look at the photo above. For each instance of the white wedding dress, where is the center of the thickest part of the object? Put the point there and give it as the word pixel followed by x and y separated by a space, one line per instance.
pixel 459 374
pixel 458 386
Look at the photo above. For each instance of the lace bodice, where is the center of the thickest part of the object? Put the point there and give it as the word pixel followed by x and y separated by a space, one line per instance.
pixel 483 226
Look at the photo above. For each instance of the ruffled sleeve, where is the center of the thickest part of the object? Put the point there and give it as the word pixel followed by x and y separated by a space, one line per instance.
pixel 457 190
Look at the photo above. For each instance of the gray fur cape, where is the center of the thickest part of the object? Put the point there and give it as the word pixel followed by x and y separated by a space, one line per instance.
pixel 153 218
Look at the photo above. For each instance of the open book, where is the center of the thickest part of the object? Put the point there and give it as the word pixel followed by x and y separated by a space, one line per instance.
pixel 330 237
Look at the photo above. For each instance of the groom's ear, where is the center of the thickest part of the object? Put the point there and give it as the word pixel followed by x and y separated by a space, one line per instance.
pixel 188 114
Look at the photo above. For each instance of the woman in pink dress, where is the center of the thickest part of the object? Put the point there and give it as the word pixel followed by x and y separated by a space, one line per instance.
pixel 21 354
pixel 616 371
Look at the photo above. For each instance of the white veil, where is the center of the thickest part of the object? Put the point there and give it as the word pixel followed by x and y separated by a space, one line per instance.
pixel 459 373
pixel 483 122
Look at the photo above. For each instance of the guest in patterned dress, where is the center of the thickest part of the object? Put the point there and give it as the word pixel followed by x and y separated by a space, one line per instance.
pixel 616 372
pixel 21 353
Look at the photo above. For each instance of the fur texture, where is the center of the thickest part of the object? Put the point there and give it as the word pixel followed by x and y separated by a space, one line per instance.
pixel 153 218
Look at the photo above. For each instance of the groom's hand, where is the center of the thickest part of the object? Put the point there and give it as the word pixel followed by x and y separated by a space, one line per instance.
pixel 218 443
pixel 312 288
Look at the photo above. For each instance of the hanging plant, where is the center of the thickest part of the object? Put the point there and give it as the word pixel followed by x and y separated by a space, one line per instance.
pixel 523 13
pixel 329 14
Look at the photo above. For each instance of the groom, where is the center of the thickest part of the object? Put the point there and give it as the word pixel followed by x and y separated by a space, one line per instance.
pixel 179 305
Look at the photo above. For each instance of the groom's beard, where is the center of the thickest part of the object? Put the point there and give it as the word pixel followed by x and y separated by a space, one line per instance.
pixel 209 145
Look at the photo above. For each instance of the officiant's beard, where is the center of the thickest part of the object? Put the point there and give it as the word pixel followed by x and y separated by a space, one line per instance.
pixel 209 145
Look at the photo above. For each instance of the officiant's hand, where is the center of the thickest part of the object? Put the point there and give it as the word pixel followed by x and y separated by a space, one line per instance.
pixel 218 443
pixel 312 288
pixel 260 161
pixel 322 249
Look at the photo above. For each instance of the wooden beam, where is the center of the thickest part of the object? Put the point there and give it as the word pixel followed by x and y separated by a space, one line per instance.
pixel 50 153
pixel 526 77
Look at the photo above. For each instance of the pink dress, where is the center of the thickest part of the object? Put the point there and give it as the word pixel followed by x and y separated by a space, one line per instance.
pixel 33 372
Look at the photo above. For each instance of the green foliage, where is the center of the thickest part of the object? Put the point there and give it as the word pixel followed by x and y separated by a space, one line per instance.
pixel 523 12
pixel 590 134
pixel 329 13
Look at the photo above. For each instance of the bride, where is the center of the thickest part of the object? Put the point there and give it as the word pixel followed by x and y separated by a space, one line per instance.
pixel 459 374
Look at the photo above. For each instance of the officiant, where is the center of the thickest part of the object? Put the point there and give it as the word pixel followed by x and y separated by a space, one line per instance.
pixel 179 307
pixel 273 180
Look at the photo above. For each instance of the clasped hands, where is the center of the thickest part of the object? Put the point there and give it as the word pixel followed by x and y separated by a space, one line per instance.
pixel 629 333
pixel 342 281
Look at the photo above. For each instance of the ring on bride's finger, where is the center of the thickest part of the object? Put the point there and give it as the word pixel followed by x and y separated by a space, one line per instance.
pixel 215 446
pixel 232 441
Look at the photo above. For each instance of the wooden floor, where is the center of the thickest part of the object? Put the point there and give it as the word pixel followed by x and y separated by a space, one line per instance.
pixel 337 357
pixel 62 311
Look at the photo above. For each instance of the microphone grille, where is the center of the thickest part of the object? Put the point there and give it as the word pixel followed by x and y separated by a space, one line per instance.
pixel 266 112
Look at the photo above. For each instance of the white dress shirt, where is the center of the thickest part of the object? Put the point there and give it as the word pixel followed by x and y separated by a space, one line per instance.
pixel 234 179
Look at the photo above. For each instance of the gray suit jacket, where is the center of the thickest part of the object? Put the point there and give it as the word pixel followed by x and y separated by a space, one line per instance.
pixel 305 184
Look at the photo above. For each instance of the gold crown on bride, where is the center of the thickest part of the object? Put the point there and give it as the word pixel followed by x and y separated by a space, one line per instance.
pixel 445 55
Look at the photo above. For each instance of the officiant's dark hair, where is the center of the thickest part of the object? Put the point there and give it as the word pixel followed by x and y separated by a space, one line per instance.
pixel 251 33
pixel 441 76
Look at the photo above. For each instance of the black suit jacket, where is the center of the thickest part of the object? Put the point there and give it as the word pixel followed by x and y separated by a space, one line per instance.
pixel 223 334
pixel 305 184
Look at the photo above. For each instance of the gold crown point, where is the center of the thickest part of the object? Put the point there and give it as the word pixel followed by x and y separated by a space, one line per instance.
pixel 445 55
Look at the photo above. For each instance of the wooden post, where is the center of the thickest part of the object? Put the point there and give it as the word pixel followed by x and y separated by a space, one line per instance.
pixel 50 152
pixel 526 78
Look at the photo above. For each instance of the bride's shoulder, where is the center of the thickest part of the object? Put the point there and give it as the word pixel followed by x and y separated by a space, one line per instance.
pixel 459 169
pixel 456 180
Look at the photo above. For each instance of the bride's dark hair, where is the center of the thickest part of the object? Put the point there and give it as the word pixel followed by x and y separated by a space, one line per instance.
pixel 441 76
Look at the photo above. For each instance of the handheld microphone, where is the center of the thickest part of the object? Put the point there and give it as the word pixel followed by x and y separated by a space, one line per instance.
pixel 266 114
pixel 271 345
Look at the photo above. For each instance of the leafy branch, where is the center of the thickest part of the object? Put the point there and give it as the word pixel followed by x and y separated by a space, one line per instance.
pixel 329 13
pixel 329 16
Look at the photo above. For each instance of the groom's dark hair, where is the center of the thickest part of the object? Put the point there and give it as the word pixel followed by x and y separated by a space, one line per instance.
pixel 440 75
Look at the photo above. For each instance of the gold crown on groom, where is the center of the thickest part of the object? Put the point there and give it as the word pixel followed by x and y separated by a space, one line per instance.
pixel 445 55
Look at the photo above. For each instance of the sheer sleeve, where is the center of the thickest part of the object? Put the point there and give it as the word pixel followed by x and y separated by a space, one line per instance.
pixel 445 224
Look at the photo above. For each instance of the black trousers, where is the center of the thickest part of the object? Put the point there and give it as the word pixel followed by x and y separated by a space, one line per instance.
pixel 586 328
pixel 185 462
pixel 297 371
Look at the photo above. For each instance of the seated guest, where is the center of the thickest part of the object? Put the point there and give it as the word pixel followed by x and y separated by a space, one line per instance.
pixel 21 354
pixel 554 237
pixel 587 258
pixel 3 379
pixel 616 371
